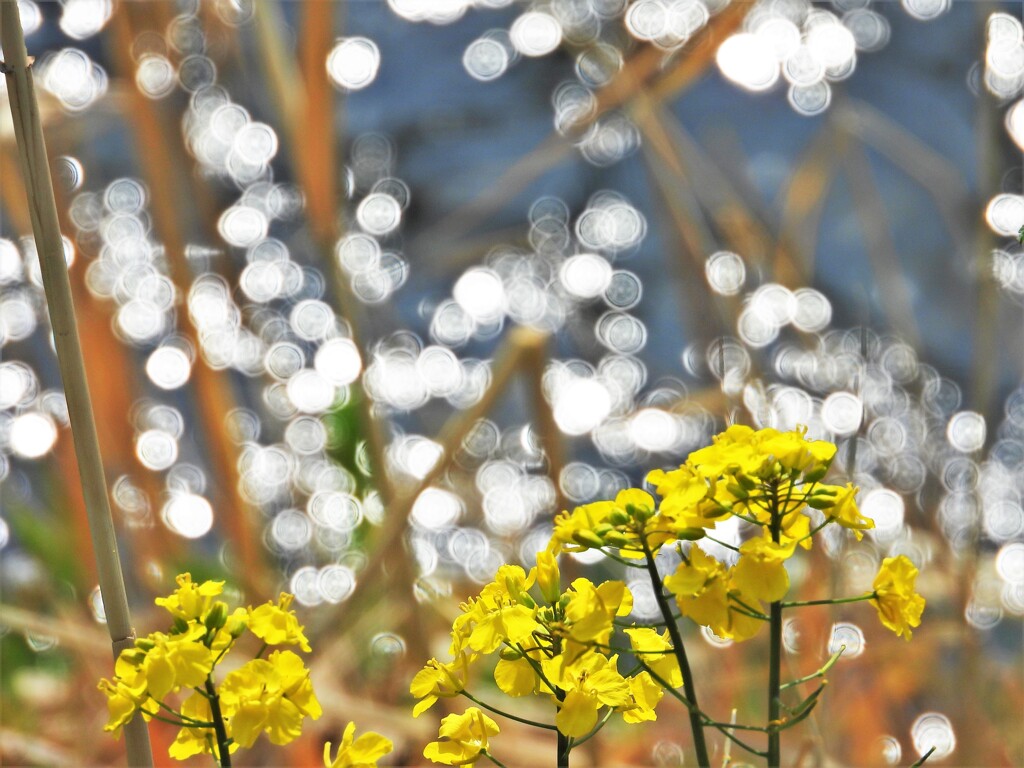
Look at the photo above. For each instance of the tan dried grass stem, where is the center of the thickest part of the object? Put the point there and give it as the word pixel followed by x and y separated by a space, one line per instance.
pixel 45 225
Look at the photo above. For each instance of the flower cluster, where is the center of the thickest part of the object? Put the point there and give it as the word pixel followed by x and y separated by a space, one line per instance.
pixel 269 696
pixel 553 644
pixel 560 645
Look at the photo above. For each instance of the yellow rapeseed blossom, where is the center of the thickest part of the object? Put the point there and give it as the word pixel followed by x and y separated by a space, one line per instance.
pixel 656 652
pixel 277 624
pixel 899 606
pixel 760 571
pixel 269 696
pixel 191 601
pixel 590 683
pixel 437 680
pixel 357 752
pixel 462 739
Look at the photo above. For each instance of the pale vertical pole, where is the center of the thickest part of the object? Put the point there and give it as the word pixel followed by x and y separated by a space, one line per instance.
pixel 28 131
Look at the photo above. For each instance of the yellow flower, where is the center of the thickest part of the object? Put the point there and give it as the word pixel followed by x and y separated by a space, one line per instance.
pixel 361 752
pixel 844 510
pixel 269 696
pixel 590 683
pixel 190 601
pixel 656 652
pixel 591 611
pixel 760 571
pixel 177 661
pixel 646 694
pixel 548 577
pixel 794 451
pixel 437 680
pixel 462 739
pixel 701 590
pixel 516 677
pixel 278 624
pixel 899 606
pixel 734 447
pixel 196 741
pixel 127 692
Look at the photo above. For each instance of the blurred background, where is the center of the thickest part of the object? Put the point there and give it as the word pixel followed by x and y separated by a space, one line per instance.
pixel 302 235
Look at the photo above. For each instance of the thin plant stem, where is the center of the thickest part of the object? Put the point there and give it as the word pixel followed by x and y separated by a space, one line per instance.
pixel 503 713
pixel 699 744
pixel 830 601
pixel 46 228
pixel 596 729
pixel 820 673
pixel 723 727
pixel 923 759
pixel 493 759
pixel 223 744
pixel 564 745
pixel 775 649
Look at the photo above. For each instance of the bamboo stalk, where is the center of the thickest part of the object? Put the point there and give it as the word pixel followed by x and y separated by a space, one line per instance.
pixel 45 225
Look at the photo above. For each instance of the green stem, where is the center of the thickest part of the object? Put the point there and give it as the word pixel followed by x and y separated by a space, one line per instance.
pixel 564 745
pixel 830 601
pixel 924 757
pixel 497 711
pixel 493 759
pixel 223 743
pixel 596 729
pixel 820 673
pixel 775 650
pixel 721 543
pixel 696 726
pixel 704 718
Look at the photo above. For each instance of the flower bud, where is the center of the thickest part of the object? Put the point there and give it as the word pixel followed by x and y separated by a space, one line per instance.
pixel 618 517
pixel 690 534
pixel 746 481
pixel 816 474
pixel 820 502
pixel 510 654
pixel 217 616
pixel 616 538
pixel 587 538
pixel 523 598
pixel 738 491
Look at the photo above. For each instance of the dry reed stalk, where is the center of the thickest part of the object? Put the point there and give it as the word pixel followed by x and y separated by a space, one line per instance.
pixel 45 224
pixel 519 344
pixel 803 202
pixel 643 75
pixel 890 277
pixel 214 395
pixel 290 97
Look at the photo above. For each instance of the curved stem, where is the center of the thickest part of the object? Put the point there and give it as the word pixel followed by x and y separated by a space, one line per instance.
pixel 723 727
pixel 493 759
pixel 223 743
pixel 596 729
pixel 820 673
pixel 699 745
pixel 501 712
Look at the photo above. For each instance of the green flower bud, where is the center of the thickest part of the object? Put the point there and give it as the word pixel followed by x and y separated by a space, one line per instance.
pixel 217 616
pixel 641 514
pixel 144 644
pixel 616 538
pixel 690 534
pixel 602 528
pixel 816 474
pixel 510 654
pixel 820 502
pixel 524 599
pixel 737 491
pixel 587 539
pixel 746 481
pixel 179 627
pixel 618 517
